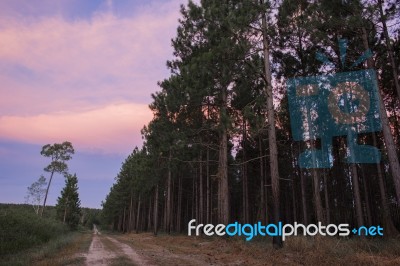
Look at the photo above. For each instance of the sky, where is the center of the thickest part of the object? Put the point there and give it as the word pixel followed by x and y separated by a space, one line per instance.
pixel 78 71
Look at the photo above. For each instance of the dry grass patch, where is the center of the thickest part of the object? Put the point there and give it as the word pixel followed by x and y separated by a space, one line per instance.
pixel 72 253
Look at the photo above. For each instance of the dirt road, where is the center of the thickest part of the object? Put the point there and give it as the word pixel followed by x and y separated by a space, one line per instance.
pixel 106 250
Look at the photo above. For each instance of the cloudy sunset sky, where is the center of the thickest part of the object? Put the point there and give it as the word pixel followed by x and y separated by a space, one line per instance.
pixel 81 71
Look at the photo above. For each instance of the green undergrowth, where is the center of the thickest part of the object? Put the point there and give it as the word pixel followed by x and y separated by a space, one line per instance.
pixel 21 228
pixel 61 250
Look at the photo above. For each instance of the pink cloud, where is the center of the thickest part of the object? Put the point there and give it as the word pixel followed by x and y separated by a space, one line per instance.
pixel 86 81
pixel 84 62
pixel 110 129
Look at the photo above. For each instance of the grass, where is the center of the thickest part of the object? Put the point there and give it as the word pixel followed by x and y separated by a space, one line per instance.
pixel 121 261
pixel 65 250
pixel 346 251
pixel 28 239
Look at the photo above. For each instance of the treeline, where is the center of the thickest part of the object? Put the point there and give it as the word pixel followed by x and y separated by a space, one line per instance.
pixel 220 147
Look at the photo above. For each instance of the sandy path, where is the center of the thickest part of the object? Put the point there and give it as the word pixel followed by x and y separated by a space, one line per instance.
pixel 101 254
pixel 97 254
pixel 129 252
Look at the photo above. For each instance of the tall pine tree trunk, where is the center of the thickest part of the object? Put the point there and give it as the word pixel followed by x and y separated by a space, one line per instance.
pixel 208 216
pixel 319 210
pixel 366 196
pixel 303 197
pixel 149 214
pixel 262 183
pixel 294 199
pixel 124 221
pixel 47 192
pixel 389 49
pixel 273 149
pixel 138 215
pixel 168 212
pixel 387 134
pixel 179 209
pixel 155 216
pixel 357 197
pixel 130 213
pixel 327 208
pixel 201 199
pixel 223 193
pixel 245 191
pixel 387 221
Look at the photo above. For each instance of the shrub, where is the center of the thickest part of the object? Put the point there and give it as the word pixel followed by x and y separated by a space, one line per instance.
pixel 21 228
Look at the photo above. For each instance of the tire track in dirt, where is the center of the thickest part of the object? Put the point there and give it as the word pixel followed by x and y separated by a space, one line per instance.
pixel 129 252
pixel 97 254
pixel 101 253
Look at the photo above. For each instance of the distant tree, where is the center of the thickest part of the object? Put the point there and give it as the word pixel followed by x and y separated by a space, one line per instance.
pixel 36 192
pixel 90 216
pixel 68 204
pixel 59 154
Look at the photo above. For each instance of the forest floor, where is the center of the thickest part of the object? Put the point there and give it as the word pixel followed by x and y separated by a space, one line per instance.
pixel 186 250
pixel 146 249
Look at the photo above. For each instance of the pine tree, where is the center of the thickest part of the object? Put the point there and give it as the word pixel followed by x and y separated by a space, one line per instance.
pixel 224 94
pixel 68 204
pixel 59 154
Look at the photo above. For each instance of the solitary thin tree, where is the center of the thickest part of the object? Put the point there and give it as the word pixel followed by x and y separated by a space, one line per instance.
pixel 59 154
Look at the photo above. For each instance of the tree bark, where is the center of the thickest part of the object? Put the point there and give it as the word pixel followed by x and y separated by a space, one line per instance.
pixel 223 192
pixel 124 221
pixel 319 210
pixel 201 199
pixel 138 215
pixel 169 196
pixel 273 150
pixel 65 212
pixel 303 197
pixel 357 197
pixel 149 215
pixel 262 183
pixel 389 49
pixel 294 198
pixel 130 213
pixel 245 191
pixel 47 192
pixel 179 209
pixel 208 216
pixel 327 208
pixel 390 229
pixel 155 216
pixel 366 197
